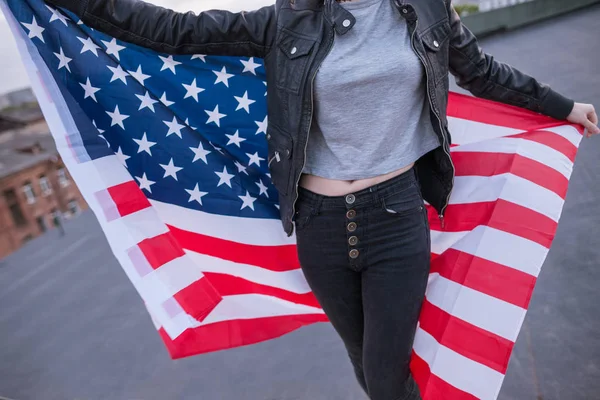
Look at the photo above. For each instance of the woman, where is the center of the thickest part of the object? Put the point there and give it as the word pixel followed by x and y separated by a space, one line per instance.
pixel 358 138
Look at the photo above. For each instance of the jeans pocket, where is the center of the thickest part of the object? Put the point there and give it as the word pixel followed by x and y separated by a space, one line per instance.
pixel 404 202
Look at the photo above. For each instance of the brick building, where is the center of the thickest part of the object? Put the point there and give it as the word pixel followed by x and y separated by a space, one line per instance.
pixel 35 187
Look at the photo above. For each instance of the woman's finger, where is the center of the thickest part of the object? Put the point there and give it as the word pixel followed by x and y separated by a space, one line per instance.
pixel 593 117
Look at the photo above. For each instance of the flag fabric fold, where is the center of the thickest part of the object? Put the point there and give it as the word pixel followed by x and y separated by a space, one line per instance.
pixel 170 154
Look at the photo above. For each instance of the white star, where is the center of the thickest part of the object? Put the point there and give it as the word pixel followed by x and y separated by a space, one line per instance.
pixel 223 76
pixel 199 56
pixel 192 90
pixel 248 201
pixel 200 153
pixel 122 157
pixel 244 102
pixel 216 148
pixel 262 188
pixel 144 144
pixel 100 133
pixel 113 48
pixel 163 99
pixel 147 101
pixel 89 45
pixel 254 159
pixel 169 63
pixel 224 177
pixel 265 87
pixel 170 169
pixel 63 60
pixel 215 116
pixel 262 126
pixel 118 73
pixel 35 31
pixel 145 183
pixel 57 16
pixel 240 167
pixel 196 194
pixel 250 66
pixel 117 118
pixel 174 127
pixel 139 75
pixel 235 139
pixel 90 91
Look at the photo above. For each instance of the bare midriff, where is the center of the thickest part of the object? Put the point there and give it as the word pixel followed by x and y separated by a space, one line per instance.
pixel 334 187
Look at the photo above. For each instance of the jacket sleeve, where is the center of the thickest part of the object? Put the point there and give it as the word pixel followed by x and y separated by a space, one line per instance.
pixel 218 32
pixel 485 77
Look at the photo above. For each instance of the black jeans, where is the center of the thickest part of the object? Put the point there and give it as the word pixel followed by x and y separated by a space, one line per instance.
pixel 366 257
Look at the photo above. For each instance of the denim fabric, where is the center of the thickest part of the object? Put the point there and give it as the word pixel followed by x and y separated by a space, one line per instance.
pixel 366 257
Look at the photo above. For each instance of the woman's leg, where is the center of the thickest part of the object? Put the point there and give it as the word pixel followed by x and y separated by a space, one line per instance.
pixel 321 241
pixel 393 287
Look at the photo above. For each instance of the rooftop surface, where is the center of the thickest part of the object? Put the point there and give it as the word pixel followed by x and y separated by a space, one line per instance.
pixel 72 326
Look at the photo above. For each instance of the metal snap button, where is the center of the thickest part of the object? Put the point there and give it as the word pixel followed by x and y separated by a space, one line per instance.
pixel 350 199
pixel 404 11
pixel 353 253
pixel 351 226
pixel 294 50
pixel 436 44
pixel 352 240
pixel 346 23
pixel 351 214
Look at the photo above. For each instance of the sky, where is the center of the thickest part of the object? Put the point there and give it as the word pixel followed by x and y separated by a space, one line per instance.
pixel 13 73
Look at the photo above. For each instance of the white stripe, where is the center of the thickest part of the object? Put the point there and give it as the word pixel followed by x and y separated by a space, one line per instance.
pixel 526 148
pixel 456 369
pixel 292 281
pixel 568 132
pixel 251 306
pixel 465 131
pixel 252 231
pixel 164 282
pixel 509 187
pixel 494 245
pixel 492 314
pixel 131 229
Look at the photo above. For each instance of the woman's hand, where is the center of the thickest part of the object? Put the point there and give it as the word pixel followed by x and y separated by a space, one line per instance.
pixel 585 115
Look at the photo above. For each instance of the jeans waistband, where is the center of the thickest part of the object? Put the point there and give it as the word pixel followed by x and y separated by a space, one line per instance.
pixel 363 198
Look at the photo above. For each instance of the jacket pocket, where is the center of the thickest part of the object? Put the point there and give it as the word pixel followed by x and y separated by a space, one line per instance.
pixel 436 43
pixel 293 54
pixel 280 147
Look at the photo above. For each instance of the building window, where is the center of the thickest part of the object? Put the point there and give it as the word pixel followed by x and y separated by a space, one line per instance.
pixel 15 208
pixel 63 180
pixel 45 185
pixel 74 207
pixel 29 194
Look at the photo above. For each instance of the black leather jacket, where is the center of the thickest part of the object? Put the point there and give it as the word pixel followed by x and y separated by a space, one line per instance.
pixel 294 37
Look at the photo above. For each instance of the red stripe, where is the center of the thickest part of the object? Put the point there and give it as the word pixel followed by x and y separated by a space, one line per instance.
pixel 552 140
pixel 228 285
pixel 493 279
pixel 490 164
pixel 274 258
pixel 464 338
pixel 493 113
pixel 199 298
pixel 235 333
pixel 433 387
pixel 500 214
pixel 161 249
pixel 128 198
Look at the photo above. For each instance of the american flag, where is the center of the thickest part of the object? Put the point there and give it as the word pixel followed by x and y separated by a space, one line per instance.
pixel 170 153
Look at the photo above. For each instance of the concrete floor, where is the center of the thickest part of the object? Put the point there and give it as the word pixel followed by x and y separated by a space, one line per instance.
pixel 62 335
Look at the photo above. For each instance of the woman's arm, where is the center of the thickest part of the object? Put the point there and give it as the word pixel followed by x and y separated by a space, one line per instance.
pixel 485 77
pixel 220 32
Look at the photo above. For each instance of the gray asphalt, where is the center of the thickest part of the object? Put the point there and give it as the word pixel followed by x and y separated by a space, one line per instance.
pixel 72 327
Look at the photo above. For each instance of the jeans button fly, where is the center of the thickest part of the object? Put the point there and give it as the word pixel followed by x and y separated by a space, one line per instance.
pixel 353 253
pixel 353 240
pixel 351 226
pixel 350 199
pixel 351 214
